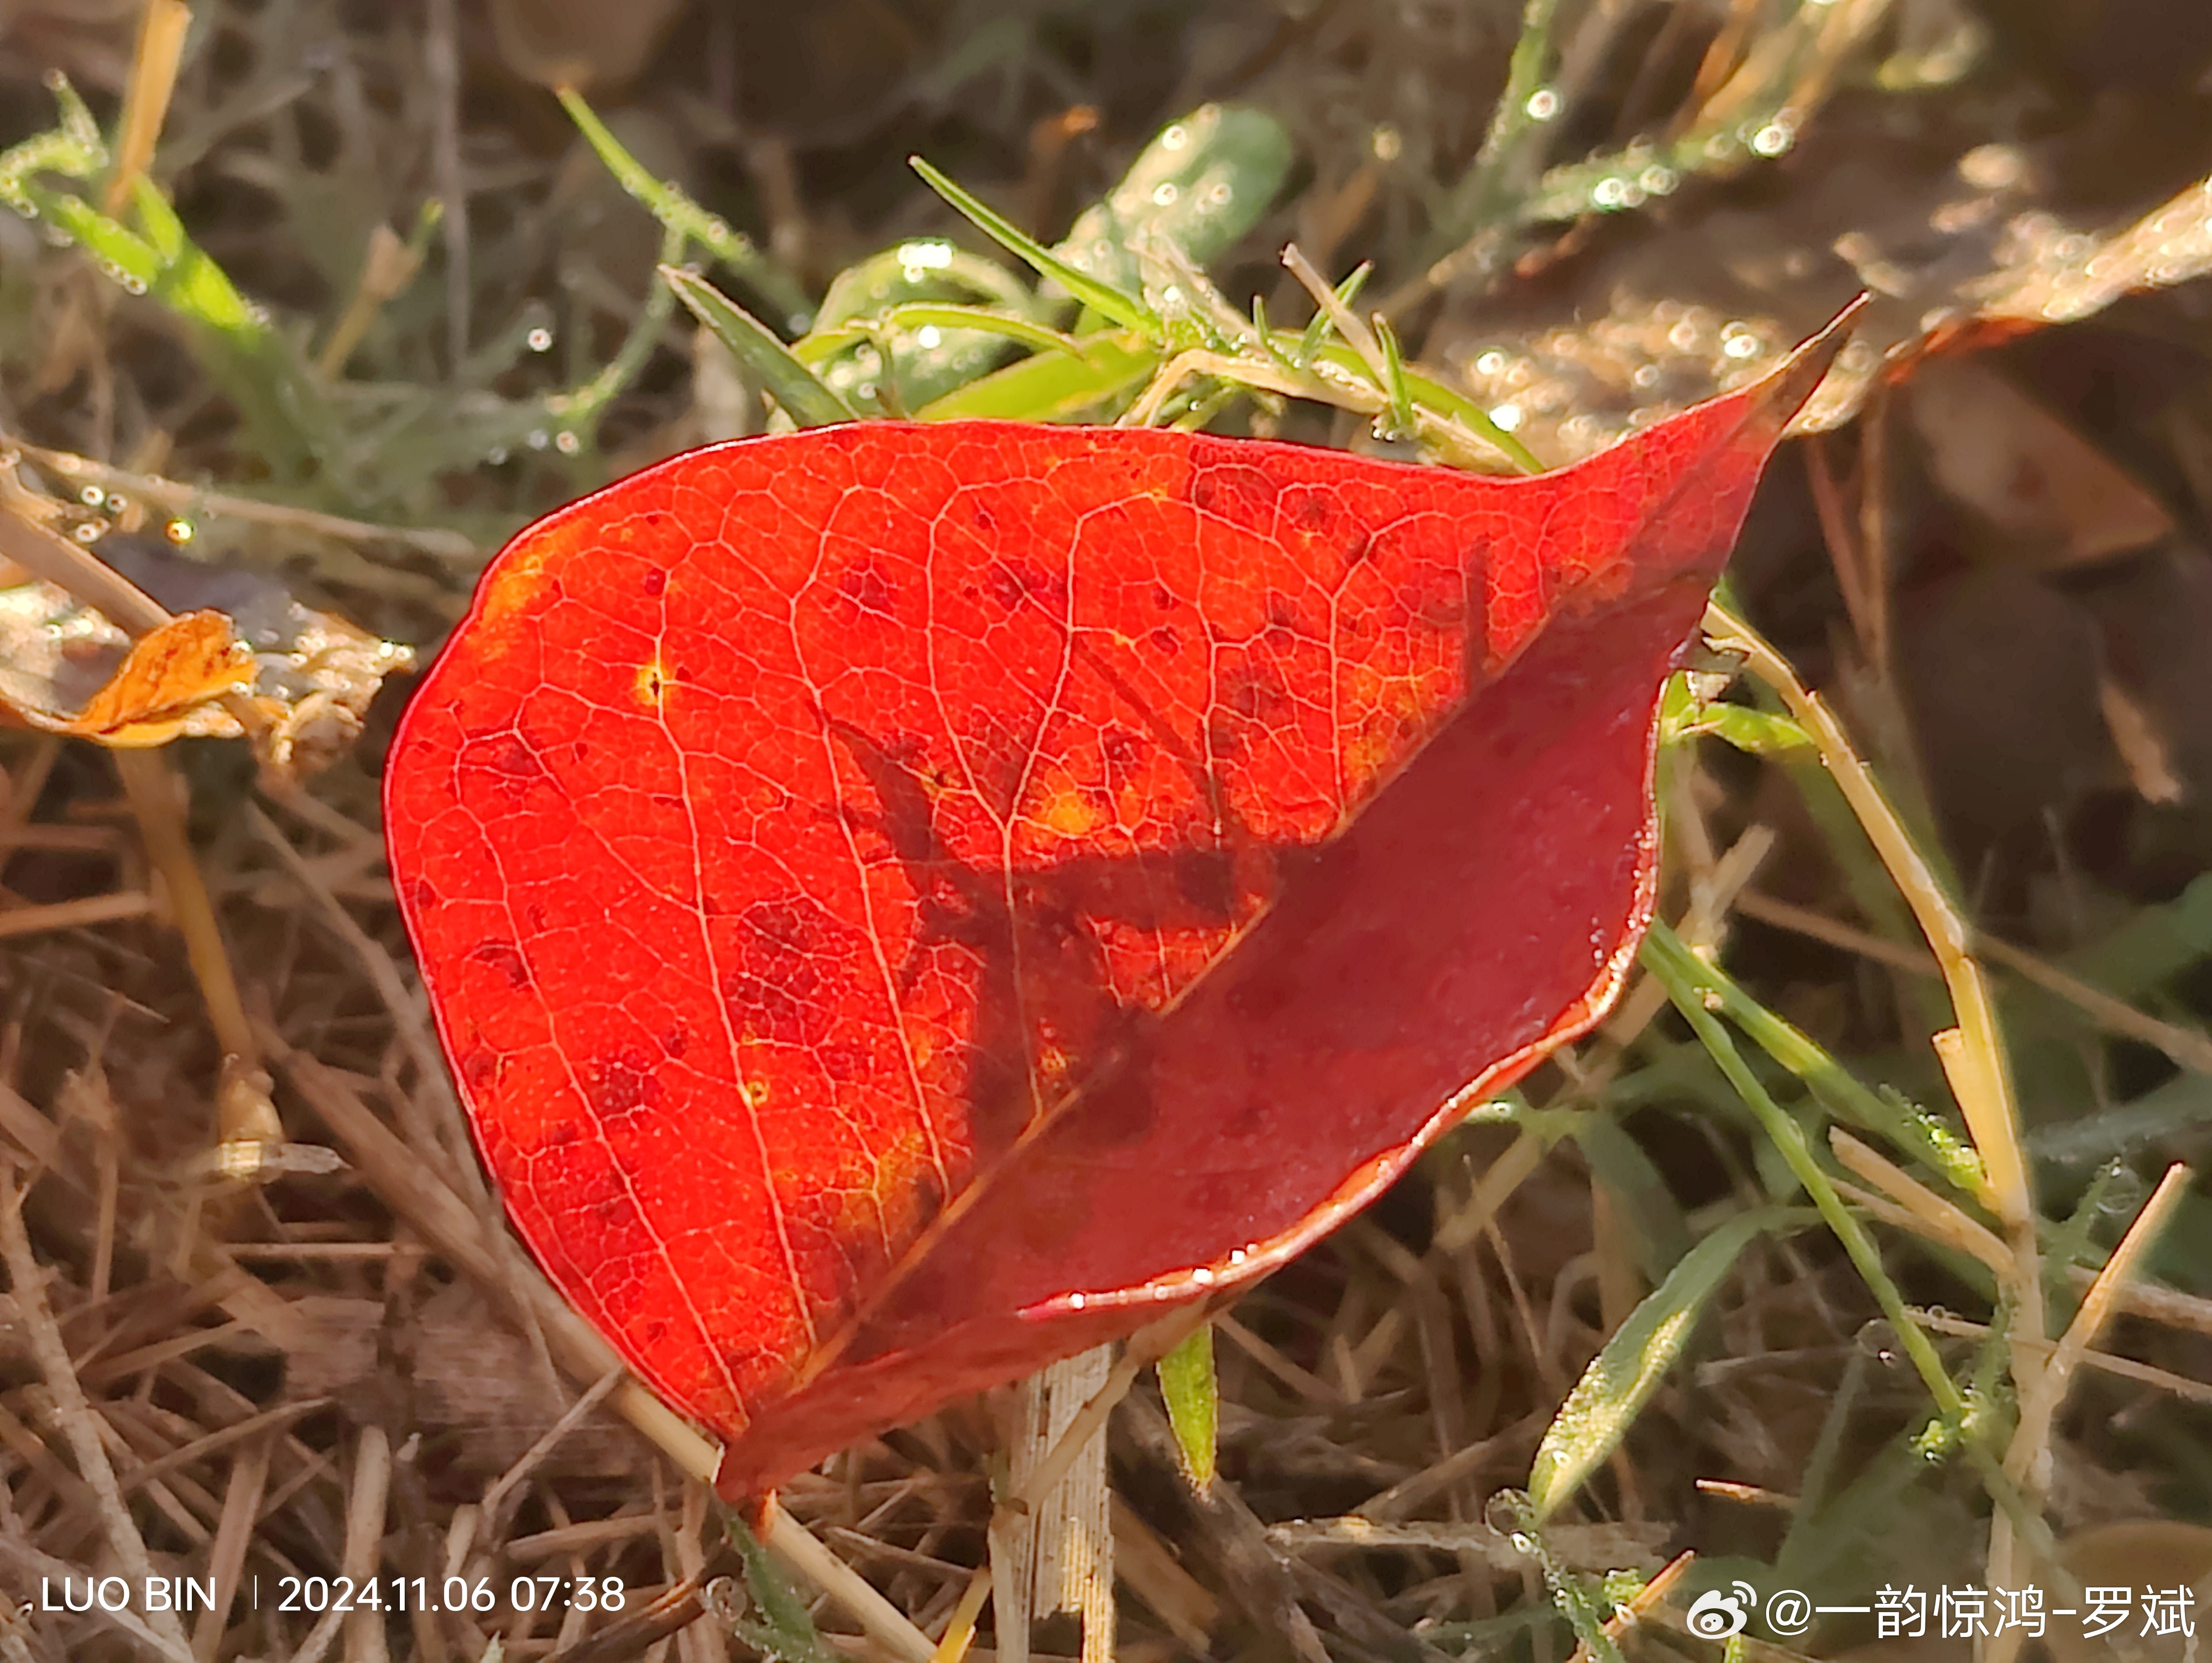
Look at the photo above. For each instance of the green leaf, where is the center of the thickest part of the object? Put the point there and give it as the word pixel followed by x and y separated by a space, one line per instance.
pixel 1126 310
pixel 1052 387
pixel 794 387
pixel 1201 184
pixel 1193 1400
pixel 784 1632
pixel 1622 1377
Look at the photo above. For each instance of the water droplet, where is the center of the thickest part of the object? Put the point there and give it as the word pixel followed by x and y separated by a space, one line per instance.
pixel 133 286
pixel 929 336
pixel 930 254
pixel 1610 193
pixel 1164 194
pixel 1387 143
pixel 1175 138
pixel 1742 347
pixel 1658 178
pixel 1077 1301
pixel 179 531
pixel 539 438
pixel 118 506
pixel 866 390
pixel 1645 376
pixel 1238 1255
pixel 1171 295
pixel 1506 417
pixel 90 531
pixel 92 496
pixel 1877 1339
pixel 1492 362
pixel 1215 197
pixel 539 339
pixel 495 455
pixel 566 442
pixel 1772 140
pixel 1203 1277
pixel 1543 103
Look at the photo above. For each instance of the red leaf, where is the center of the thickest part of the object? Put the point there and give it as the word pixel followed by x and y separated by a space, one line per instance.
pixel 908 903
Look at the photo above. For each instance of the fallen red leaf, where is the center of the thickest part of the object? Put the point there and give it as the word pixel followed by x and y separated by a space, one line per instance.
pixel 908 903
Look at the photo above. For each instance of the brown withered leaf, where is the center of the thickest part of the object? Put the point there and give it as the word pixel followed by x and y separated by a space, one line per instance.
pixel 64 670
pixel 1676 312
pixel 241 647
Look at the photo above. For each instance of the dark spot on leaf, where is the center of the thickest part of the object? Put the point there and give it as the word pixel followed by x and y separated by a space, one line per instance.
pixel 1255 690
pixel 795 963
pixel 980 517
pixel 479 1067
pixel 560 1136
pixel 619 1085
pixel 675 1043
pixel 665 799
pixel 865 587
pixel 1243 495
pixel 843 1060
pixel 1122 750
pixel 656 579
pixel 505 957
pixel 1161 597
pixel 533 914
pixel 424 894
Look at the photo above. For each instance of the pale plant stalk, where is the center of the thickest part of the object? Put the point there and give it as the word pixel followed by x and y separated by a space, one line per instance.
pixel 1972 1052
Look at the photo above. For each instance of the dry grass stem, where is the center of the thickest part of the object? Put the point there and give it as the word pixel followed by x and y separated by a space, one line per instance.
pixel 161 30
pixel 80 1424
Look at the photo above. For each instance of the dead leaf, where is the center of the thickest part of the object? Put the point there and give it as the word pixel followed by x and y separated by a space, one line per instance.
pixel 307 676
pixel 2028 471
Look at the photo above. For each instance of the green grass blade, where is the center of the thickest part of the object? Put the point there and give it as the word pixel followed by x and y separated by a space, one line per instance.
pixel 1790 1141
pixel 1193 1400
pixel 1126 310
pixel 676 210
pixel 794 387
pixel 1622 1377
pixel 1402 423
pixel 1838 1090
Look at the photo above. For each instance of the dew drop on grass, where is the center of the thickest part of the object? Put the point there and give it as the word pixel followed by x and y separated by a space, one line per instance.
pixel 567 443
pixel 179 531
pixel 539 339
pixel 1164 194
pixel 92 496
pixel 1543 103
pixel 1878 1339
pixel 929 336
pixel 495 455
pixel 539 438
